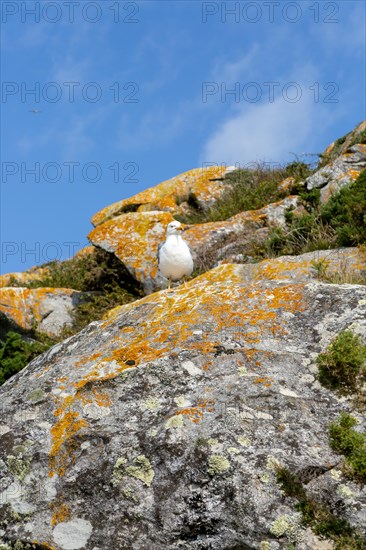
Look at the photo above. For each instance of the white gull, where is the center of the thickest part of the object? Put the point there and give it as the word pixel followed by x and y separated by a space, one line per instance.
pixel 174 256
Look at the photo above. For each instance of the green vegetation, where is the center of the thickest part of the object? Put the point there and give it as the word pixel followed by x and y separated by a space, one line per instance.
pixel 318 516
pixel 343 275
pixel 16 353
pixel 248 189
pixel 339 222
pixel 345 212
pixel 354 137
pixel 100 275
pixel 97 305
pixel 343 366
pixel 106 284
pixel 89 272
pixel 351 444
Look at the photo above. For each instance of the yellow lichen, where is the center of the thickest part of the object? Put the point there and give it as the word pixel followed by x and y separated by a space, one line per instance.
pixel 61 512
pixel 217 465
pixel 62 434
pixel 195 414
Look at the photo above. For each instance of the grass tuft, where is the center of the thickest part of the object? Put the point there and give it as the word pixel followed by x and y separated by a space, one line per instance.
pixel 343 366
pixel 352 444
pixel 318 516
pixel 248 189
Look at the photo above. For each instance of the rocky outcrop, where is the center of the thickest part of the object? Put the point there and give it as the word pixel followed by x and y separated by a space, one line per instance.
pixel 340 146
pixel 338 173
pixel 20 278
pixel 47 310
pixel 134 238
pixel 161 425
pixel 202 186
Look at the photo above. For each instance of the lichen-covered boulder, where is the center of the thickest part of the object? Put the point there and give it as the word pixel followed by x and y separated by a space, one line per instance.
pixel 86 251
pixel 203 185
pixel 340 146
pixel 23 277
pixel 162 425
pixel 134 238
pixel 338 173
pixel 47 310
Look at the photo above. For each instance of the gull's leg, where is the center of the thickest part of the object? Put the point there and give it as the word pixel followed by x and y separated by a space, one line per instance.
pixel 184 282
pixel 169 283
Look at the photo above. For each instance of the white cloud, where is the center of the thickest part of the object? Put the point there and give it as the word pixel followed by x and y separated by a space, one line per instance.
pixel 267 131
pixel 231 71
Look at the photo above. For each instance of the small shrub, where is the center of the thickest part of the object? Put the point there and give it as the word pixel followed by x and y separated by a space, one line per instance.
pixel 101 275
pixel 339 222
pixel 346 213
pixel 351 444
pixel 96 306
pixel 342 275
pixel 91 272
pixel 248 189
pixel 318 516
pixel 16 353
pixel 343 366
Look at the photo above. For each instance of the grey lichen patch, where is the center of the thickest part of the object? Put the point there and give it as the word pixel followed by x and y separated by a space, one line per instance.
pixel 242 371
pixel 117 471
pixel 18 545
pixel 72 535
pixel 265 478
pixel 19 466
pixel 244 441
pixel 288 526
pixel 151 404
pixel 142 471
pixel 175 422
pixel 217 465
pixel 35 395
pixel 233 451
pixel 345 492
pixel 181 401
pixel 336 474
pixel 129 493
pixel 272 463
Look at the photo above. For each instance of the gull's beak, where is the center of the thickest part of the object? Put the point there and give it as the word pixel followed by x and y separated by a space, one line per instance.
pixel 181 228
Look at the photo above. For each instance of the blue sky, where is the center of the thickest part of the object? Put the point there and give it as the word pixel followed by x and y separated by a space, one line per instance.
pixel 133 93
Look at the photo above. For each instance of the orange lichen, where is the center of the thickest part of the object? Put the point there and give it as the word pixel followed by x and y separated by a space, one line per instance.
pixel 61 512
pixel 44 545
pixel 89 359
pixel 24 305
pixel 195 414
pixel 265 380
pixel 62 434
pixel 202 182
pixel 102 399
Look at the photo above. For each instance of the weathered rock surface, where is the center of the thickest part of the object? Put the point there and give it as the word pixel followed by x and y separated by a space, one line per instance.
pixel 48 310
pixel 338 173
pixel 161 425
pixel 134 238
pixel 340 146
pixel 23 277
pixel 203 185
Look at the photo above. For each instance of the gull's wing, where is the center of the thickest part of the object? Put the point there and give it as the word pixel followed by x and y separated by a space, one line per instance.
pixel 158 252
pixel 189 248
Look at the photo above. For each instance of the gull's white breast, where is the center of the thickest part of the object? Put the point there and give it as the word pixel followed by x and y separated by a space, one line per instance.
pixel 175 259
